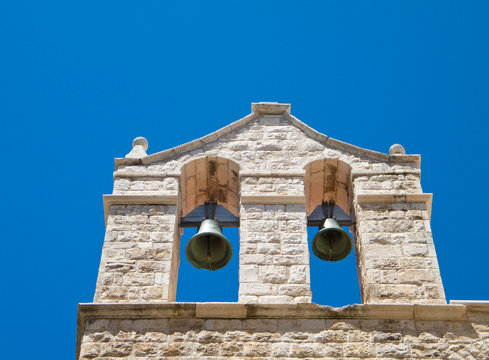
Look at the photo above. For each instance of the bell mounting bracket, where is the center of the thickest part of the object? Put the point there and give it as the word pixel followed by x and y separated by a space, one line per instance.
pixel 210 210
pixel 328 210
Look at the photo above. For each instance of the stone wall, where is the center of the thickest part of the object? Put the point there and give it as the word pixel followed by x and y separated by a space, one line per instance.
pixel 272 185
pixel 274 255
pixel 386 183
pixel 190 331
pixel 146 185
pixel 396 257
pixel 140 255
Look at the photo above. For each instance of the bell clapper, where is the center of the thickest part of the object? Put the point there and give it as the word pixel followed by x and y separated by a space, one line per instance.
pixel 209 251
pixel 330 245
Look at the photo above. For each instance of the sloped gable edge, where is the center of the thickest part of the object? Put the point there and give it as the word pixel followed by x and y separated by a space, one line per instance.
pixel 341 145
pixel 259 110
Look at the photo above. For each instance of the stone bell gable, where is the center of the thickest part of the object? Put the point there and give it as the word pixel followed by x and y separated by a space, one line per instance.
pixel 272 173
pixel 271 170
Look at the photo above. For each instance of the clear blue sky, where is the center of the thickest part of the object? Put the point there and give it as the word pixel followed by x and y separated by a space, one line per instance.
pixel 80 79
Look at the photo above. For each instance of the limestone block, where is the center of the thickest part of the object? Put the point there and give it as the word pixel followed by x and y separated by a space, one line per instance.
pixel 255 289
pixel 279 299
pixel 268 248
pixel 272 185
pixel 248 273
pixel 295 290
pixel 298 274
pixel 289 260
pixel 273 274
pixel 248 299
pixel 256 259
pixel 220 310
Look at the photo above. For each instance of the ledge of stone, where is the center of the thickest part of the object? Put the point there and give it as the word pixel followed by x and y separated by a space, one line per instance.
pixel 265 173
pixel 475 308
pixel 272 199
pixel 262 173
pixel 110 200
pixel 455 311
pixel 471 303
pixel 427 198
pixel 149 174
pixel 358 173
pixel 154 174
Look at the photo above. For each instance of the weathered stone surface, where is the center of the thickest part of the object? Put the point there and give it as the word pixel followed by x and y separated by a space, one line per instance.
pixel 266 266
pixel 211 337
pixel 396 255
pixel 137 256
pixel 272 171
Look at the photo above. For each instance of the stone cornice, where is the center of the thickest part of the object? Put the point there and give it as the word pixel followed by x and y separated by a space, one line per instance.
pixel 272 199
pixel 358 173
pixel 146 174
pixel 154 174
pixel 262 173
pixel 473 306
pixel 277 174
pixel 427 198
pixel 453 311
pixel 260 109
pixel 110 200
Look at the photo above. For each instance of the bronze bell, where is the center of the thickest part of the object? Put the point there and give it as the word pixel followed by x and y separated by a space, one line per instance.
pixel 209 249
pixel 331 243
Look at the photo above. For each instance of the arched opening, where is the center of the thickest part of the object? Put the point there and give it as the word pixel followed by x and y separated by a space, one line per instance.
pixel 209 179
pixel 333 283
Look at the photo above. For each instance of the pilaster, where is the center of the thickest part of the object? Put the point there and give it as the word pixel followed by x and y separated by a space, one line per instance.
pixel 274 255
pixel 395 252
pixel 141 250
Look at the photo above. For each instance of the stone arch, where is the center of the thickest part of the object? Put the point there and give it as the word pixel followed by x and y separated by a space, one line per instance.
pixel 202 179
pixel 328 179
pixel 209 178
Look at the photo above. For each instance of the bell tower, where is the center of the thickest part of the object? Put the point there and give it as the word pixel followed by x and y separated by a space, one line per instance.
pixel 273 176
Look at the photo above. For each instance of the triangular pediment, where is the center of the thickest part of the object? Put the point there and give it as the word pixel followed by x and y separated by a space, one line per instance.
pixel 267 115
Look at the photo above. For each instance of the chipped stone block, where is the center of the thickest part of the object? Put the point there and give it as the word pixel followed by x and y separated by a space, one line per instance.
pixel 248 273
pixel 273 274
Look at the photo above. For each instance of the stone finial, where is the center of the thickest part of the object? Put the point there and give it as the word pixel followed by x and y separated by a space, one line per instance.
pixel 397 149
pixel 139 147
